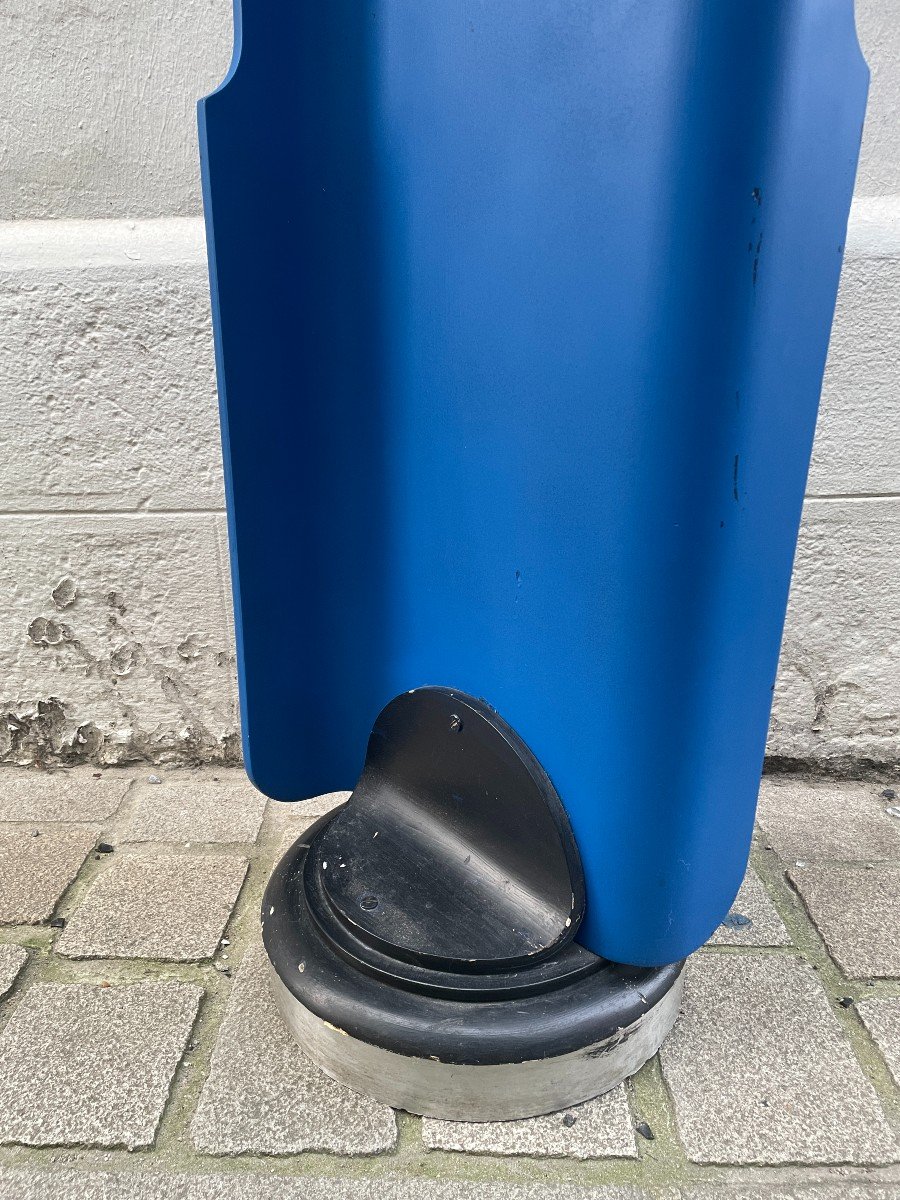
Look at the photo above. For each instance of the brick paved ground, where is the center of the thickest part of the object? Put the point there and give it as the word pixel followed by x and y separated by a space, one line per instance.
pixel 141 1056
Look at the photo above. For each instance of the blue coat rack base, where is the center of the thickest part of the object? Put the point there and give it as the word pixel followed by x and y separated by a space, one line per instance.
pixel 521 317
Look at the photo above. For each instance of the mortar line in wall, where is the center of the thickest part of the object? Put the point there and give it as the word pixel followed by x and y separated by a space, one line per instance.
pixel 70 513
pixel 852 497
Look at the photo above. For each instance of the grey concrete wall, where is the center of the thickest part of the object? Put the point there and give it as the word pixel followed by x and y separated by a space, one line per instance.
pixel 115 631
pixel 97 104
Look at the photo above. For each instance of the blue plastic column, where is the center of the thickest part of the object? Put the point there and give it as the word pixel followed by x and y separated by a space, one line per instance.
pixel 521 313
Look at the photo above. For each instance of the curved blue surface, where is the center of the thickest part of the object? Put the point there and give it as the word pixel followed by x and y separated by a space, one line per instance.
pixel 521 316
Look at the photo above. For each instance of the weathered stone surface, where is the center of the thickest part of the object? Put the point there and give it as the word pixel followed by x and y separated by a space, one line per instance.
pixel 195 808
pixel 766 927
pixel 73 795
pixel 122 331
pixel 812 819
pixel 85 1065
pixel 36 867
pixel 37 1184
pixel 601 1129
pixel 263 1096
pixel 12 960
pixel 164 906
pixel 760 1071
pixel 839 678
pixel 857 911
pixel 882 1019
pixel 139 665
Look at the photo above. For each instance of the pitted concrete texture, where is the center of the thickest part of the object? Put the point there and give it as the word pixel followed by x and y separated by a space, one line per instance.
pixel 12 960
pixel 856 909
pixel 148 631
pixel 882 1019
pixel 73 1185
pixel 125 329
pixel 761 1072
pixel 82 794
pixel 835 700
pixel 160 905
pixel 86 1065
pixel 752 903
pixel 195 807
pixel 602 1128
pixel 37 864
pixel 264 1096
pixel 813 819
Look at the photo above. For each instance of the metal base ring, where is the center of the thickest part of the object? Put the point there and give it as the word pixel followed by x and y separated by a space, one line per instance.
pixel 494 1092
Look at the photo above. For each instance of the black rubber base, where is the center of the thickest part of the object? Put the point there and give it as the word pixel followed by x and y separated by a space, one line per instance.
pixel 422 938
pixel 513 1043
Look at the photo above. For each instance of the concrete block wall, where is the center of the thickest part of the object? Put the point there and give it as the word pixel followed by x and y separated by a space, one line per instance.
pixel 115 631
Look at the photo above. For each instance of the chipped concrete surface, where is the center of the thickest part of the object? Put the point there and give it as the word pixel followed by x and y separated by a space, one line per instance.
pixel 107 380
pixel 837 699
pixel 109 678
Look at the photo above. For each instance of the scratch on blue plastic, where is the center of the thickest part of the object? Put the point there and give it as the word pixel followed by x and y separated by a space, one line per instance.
pixel 521 316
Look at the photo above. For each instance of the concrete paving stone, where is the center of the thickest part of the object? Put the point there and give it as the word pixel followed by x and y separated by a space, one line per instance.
pixel 760 1071
pixel 36 866
pixel 882 1019
pixel 810 820
pixel 195 808
pixel 75 795
pixel 602 1129
pixel 163 906
pixel 12 960
pixel 90 1065
pixel 856 909
pixel 842 1190
pixel 131 1185
pixel 766 928
pixel 301 814
pixel 264 1096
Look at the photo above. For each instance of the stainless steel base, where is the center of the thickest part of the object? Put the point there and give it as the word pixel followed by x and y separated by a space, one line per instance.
pixel 497 1092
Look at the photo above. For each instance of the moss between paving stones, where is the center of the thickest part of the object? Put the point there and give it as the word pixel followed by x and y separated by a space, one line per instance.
pixel 661 1167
